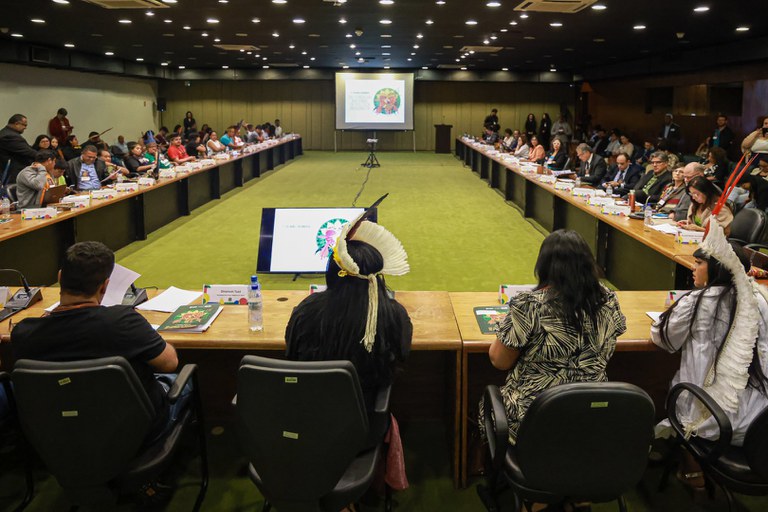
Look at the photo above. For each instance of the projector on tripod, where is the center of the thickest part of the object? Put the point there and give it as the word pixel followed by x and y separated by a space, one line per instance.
pixel 371 161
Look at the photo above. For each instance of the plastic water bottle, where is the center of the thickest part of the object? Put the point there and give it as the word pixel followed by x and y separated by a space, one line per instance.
pixel 609 190
pixel 577 183
pixel 5 208
pixel 647 217
pixel 255 306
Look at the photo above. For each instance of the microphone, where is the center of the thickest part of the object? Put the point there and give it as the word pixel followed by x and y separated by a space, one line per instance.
pixel 21 299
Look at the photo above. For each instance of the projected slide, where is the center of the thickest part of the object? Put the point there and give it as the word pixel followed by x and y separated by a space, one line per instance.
pixel 374 101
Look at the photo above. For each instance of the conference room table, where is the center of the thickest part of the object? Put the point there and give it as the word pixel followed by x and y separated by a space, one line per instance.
pixel 632 257
pixel 35 247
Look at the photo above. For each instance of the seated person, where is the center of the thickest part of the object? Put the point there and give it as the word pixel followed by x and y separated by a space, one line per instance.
pixel 704 195
pixel 593 168
pixel 699 326
pixel 718 168
pixel 556 159
pixel 645 156
pixel 690 171
pixel 522 149
pixel 335 324
pixel 563 331
pixel 231 140
pixel 650 185
pixel 71 148
pixel 136 162
pixel 600 143
pixel 253 134
pixel 86 172
pixel 625 146
pixel 41 142
pixel 214 145
pixel 613 142
pixel 509 141
pixel 194 147
pixel 672 193
pixel 112 168
pixel 536 152
pixel 35 179
pixel 81 329
pixel 157 157
pixel 622 176
pixel 490 137
pixel 176 152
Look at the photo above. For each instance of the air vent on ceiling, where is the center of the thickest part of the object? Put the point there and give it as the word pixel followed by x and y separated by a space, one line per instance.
pixel 129 4
pixel 560 6
pixel 482 49
pixel 237 47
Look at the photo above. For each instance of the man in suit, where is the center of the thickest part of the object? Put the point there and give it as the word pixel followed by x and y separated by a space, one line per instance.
pixel 600 142
pixel 15 153
pixel 493 120
pixel 723 136
pixel 623 175
pixel 592 169
pixel 86 172
pixel 670 134
pixel 690 171
pixel 650 185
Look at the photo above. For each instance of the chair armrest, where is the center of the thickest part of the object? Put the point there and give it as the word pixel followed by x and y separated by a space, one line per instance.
pixel 756 246
pixel 382 400
pixel 723 423
pixel 739 241
pixel 495 425
pixel 188 371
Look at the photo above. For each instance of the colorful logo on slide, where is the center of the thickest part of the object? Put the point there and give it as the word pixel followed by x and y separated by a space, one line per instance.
pixel 386 101
pixel 327 235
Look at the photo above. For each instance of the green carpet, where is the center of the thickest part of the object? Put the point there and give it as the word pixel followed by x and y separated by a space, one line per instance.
pixel 458 232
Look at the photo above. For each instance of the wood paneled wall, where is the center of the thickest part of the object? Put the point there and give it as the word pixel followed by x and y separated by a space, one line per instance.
pixel 308 108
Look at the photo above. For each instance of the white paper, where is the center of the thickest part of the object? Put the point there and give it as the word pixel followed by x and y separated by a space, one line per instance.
pixel 669 229
pixel 654 315
pixel 170 300
pixel 53 306
pixel 119 281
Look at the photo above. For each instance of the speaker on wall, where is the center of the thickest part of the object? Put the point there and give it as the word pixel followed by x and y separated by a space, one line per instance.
pixel 161 104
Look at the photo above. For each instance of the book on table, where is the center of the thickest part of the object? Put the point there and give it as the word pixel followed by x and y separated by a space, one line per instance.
pixel 191 319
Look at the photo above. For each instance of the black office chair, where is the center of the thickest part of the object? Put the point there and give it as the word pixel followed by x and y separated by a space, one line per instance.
pixel 748 227
pixel 11 438
pixel 88 421
pixel 12 192
pixel 305 431
pixel 741 469
pixel 578 442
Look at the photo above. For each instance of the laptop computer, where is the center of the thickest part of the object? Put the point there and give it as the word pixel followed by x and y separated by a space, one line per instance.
pixel 54 194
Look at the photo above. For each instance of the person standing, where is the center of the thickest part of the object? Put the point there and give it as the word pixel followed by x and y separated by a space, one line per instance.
pixel 670 134
pixel 545 129
pixel 15 153
pixel 723 135
pixel 60 127
pixel 492 120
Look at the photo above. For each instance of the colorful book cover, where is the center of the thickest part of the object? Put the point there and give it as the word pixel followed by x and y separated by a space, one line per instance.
pixel 194 318
pixel 488 317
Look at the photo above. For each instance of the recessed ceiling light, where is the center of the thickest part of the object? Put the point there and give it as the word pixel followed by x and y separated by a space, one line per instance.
pixel 529 38
pixel 419 36
pixel 440 2
pixel 224 67
pixel 429 22
pixel 265 67
pixel 556 24
pixel 357 54
pixel 352 46
pixel 255 20
pixel 204 34
pixel 505 69
pixel 471 52
pixel 553 70
pixel 311 58
pixel 223 1
pixel 513 23
pixel 149 13
pixel 212 21
pixel 187 27
pixel 263 58
pixel 413 53
pixel 386 35
pixel 109 54
pixel 386 46
pixel 424 67
pixel 345 67
pixel 279 1
pixel 523 16
pixel 16 34
pixel 386 53
pixel 503 30
pixel 493 38
pixel 701 8
pixel 409 59
pixel 62 2
pixel 599 7
pixel 416 46
pixel 169 35
pixel 599 40
pixel 291 46
pixel 386 67
pixel 471 22
pixel 349 36
pixel 37 20
pixel 385 21
pixel 139 59
pixel 125 21
pixel 275 34
pixel 639 27
pixel 463 68
pixel 182 67
pixel 241 34
pixel 170 1
pixel 493 3
pixel 342 20
pixel 386 2
pixel 742 29
pixel 299 21
pixel 167 21
pixel 217 40
pixel 163 63
pixel 69 45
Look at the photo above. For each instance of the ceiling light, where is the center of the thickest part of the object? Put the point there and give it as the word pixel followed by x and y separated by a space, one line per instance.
pixel 553 70
pixel 486 41
pixel 471 22
pixel 742 29
pixel 167 21
pixel 163 63
pixel 424 67
pixel 493 38
pixel 217 40
pixel 16 34
pixel 345 67
pixel 386 35
pixel 386 53
pixel 556 24
pixel 63 2
pixel 139 59
pixel 265 67
pixel 279 1
pixel 386 2
pixel 599 40
pixel 513 22
pixel 503 30
pixel 357 54
pixel 149 13
pixel 429 22
pixel 523 16
pixel 109 54
pixel 212 20
pixel 701 8
pixel 471 52
pixel 311 58
pixel 529 38
pixel 413 53
pixel 386 46
pixel 275 34
pixel 204 34
pixel 505 69
pixel 224 67
pixel 419 36
pixel 639 27
pixel 304 53
pixel 69 45
pixel 352 46
pixel 599 7
pixel 493 3
pixel 187 27
pixel 361 59
pixel 409 59
pixel 386 67
pixel 416 46
pixel 223 1
pixel 305 67
pixel 385 21
pixel 342 20
pixel 291 46
pixel 255 20
pixel 349 36
pixel 37 20
pixel 463 68
pixel 299 21
pixel 170 1
pixel 125 21
pixel 440 2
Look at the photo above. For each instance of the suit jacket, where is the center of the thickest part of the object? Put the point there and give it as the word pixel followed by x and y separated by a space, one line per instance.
pixel 14 149
pixel 72 174
pixel 597 170
pixel 600 145
pixel 632 176
pixel 654 193
pixel 673 137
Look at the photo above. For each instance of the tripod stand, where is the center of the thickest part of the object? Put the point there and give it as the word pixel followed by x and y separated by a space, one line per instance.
pixel 371 161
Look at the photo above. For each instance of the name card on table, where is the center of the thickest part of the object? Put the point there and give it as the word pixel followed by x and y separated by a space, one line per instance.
pixel 507 291
pixel 167 173
pixel 529 167
pixel 566 185
pixel 584 192
pixel 103 193
pixel 183 169
pixel 38 213
pixel 205 162
pixel 601 201
pixel 315 288
pixel 4 293
pixel 81 201
pixel 615 209
pixel 685 236
pixel 146 181
pixel 548 179
pixel 126 187
pixel 226 294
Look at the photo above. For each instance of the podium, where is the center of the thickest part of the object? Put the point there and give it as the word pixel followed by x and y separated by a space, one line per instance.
pixel 443 138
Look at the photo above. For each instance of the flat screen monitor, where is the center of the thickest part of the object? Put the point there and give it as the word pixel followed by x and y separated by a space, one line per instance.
pixel 374 101
pixel 300 240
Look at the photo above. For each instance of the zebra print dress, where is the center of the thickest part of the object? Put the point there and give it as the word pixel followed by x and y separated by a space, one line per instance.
pixel 551 353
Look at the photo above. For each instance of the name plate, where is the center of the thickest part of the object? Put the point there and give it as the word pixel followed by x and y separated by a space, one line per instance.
pixel 167 173
pixel 583 192
pixel 529 167
pixel 685 236
pixel 614 209
pixel 564 185
pixel 316 288
pixel 182 169
pixel 146 182
pixel 76 201
pixel 548 179
pixel 600 201
pixel 38 213
pixel 220 157
pixel 507 291
pixel 103 193
pixel 226 294
pixel 126 187
pixel 207 161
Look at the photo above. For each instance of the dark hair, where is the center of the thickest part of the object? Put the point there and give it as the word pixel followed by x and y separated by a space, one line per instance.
pixel 70 138
pixel 174 136
pixel 62 111
pixel 721 158
pixel 90 148
pixel 60 164
pixel 163 129
pixel 44 156
pixel 132 145
pixel 718 275
pixel 16 118
pixel 706 187
pixel 566 268
pixel 86 266
pixel 189 113
pixel 508 131
pixel 36 144
pixel 176 128
pixel 92 134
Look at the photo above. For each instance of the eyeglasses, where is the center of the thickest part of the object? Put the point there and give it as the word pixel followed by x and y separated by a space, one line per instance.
pixel 656 162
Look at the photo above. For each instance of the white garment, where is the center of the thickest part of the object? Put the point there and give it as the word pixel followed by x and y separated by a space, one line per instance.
pixel 759 146
pixel 278 131
pixel 522 151
pixel 699 346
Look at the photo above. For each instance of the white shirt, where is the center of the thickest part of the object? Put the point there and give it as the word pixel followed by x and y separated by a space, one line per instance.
pixel 699 346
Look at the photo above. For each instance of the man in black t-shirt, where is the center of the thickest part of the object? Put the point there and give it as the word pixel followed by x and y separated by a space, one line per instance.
pixel 80 329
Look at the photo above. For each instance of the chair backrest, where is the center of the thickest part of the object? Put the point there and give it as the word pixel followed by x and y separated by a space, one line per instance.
pixel 587 440
pixel 86 419
pixel 300 423
pixel 756 444
pixel 12 195
pixel 749 226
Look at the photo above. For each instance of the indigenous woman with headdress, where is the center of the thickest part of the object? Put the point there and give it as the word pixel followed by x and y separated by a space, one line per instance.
pixel 355 319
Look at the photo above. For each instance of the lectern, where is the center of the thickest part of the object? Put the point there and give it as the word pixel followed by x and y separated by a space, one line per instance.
pixel 443 138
